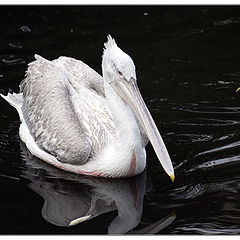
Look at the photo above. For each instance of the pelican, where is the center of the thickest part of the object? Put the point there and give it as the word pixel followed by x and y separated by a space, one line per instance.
pixel 81 122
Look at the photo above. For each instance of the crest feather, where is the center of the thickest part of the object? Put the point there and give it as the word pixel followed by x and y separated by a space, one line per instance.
pixel 110 43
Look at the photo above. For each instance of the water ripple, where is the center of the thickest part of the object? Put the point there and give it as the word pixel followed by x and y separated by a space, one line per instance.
pixel 208 228
pixel 216 162
pixel 9 177
pixel 226 21
pixel 191 138
pixel 25 28
pixel 205 122
pixel 15 45
pixel 11 59
pixel 196 108
pixel 217 149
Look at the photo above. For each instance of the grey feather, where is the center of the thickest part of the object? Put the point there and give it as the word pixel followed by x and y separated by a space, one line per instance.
pixel 49 113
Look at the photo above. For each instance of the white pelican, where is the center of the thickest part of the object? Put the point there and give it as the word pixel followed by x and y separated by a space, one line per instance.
pixel 78 121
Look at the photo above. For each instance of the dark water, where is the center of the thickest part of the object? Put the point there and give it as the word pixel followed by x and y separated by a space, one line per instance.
pixel 188 68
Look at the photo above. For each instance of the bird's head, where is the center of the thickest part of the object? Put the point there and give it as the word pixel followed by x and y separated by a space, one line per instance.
pixel 117 65
pixel 119 73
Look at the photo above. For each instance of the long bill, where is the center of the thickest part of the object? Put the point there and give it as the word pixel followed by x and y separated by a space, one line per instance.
pixel 130 93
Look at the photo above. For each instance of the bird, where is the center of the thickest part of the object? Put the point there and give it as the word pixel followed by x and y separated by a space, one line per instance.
pixel 79 121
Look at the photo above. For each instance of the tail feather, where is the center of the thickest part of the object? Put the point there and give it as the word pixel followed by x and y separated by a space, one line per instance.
pixel 14 99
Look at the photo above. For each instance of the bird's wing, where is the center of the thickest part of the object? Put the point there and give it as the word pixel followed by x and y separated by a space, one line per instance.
pixel 89 101
pixel 53 110
pixel 80 74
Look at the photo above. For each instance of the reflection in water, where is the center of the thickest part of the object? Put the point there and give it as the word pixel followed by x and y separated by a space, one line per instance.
pixel 71 198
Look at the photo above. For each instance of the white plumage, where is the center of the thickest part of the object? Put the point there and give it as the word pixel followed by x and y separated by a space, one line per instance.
pixel 76 120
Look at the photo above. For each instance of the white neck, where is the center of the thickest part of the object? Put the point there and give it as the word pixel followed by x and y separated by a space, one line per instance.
pixel 122 113
pixel 128 137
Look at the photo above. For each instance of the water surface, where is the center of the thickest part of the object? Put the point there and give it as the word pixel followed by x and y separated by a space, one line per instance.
pixel 188 68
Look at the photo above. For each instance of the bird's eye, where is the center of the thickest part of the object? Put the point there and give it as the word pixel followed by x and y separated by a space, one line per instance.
pixel 120 73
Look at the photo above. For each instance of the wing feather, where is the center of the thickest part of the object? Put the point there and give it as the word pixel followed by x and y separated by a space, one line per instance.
pixel 49 113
